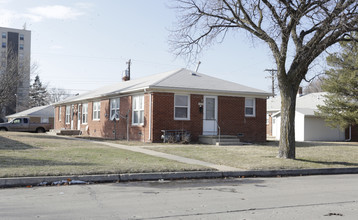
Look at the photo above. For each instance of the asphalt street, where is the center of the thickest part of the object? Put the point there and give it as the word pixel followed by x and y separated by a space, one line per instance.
pixel 306 197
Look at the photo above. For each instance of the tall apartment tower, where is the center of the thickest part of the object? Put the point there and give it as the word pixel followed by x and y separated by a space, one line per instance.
pixel 15 59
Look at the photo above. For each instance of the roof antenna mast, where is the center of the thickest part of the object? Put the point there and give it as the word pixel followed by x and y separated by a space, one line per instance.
pixel 197 67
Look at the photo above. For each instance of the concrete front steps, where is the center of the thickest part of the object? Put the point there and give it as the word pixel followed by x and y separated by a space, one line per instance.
pixel 225 140
pixel 64 132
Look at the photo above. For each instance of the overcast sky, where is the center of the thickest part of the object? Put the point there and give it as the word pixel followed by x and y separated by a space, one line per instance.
pixel 83 45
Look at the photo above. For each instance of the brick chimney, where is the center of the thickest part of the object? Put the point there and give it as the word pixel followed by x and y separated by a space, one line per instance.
pixel 127 72
pixel 126 76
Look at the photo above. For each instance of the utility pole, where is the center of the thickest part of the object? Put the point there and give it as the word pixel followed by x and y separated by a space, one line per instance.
pixel 273 71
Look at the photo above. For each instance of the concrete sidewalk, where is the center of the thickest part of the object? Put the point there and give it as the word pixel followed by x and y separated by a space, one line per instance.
pixel 169 156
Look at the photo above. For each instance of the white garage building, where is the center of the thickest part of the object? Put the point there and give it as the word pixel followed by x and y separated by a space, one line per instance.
pixel 308 126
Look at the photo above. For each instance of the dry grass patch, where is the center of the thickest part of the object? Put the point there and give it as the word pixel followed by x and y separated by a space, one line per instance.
pixel 262 157
pixel 27 154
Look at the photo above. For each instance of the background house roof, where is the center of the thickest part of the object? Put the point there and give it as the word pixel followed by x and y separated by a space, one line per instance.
pixel 40 111
pixel 306 104
pixel 182 79
pixel 273 104
pixel 307 111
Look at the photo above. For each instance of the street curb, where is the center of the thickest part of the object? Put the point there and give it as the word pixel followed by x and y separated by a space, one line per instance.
pixel 50 180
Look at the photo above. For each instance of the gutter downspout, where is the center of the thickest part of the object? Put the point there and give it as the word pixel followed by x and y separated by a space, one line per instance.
pixel 350 133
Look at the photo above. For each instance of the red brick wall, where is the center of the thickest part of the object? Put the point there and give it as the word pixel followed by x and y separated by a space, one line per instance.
pixel 98 128
pixel 110 129
pixel 232 120
pixel 106 127
pixel 354 133
pixel 138 132
pixel 61 124
pixel 163 116
pixel 146 127
pixel 230 116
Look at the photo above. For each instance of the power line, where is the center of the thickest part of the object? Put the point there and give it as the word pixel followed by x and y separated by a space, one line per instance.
pixel 113 59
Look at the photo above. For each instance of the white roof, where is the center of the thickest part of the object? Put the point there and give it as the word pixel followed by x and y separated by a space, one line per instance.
pixel 307 111
pixel 306 104
pixel 40 111
pixel 273 104
pixel 178 80
pixel 311 100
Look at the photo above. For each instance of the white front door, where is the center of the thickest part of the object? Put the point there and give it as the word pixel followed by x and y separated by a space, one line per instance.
pixel 210 115
pixel 79 116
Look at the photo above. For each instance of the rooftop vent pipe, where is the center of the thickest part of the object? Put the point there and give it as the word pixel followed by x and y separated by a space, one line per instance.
pixel 197 67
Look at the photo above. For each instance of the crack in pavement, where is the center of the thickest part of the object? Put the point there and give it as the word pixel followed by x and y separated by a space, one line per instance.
pixel 243 210
pixel 93 195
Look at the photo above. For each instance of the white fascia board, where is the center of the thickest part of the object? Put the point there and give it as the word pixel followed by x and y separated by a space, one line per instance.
pixel 104 96
pixel 277 114
pixel 209 92
pixel 299 114
pixel 263 95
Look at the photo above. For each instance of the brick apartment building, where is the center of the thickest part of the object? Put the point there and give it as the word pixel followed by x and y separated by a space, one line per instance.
pixel 141 109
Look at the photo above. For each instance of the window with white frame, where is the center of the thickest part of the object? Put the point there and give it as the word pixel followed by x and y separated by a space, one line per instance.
pixel 84 113
pixel 181 107
pixel 249 107
pixel 68 114
pixel 60 113
pixel 96 110
pixel 114 108
pixel 138 110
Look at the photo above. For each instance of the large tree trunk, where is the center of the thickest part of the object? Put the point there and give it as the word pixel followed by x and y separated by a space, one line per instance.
pixel 287 131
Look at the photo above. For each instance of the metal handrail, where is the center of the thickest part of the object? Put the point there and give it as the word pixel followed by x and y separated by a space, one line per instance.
pixel 217 125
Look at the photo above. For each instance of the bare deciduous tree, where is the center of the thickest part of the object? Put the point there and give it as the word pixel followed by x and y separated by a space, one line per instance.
pixel 304 27
pixel 57 94
pixel 314 86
